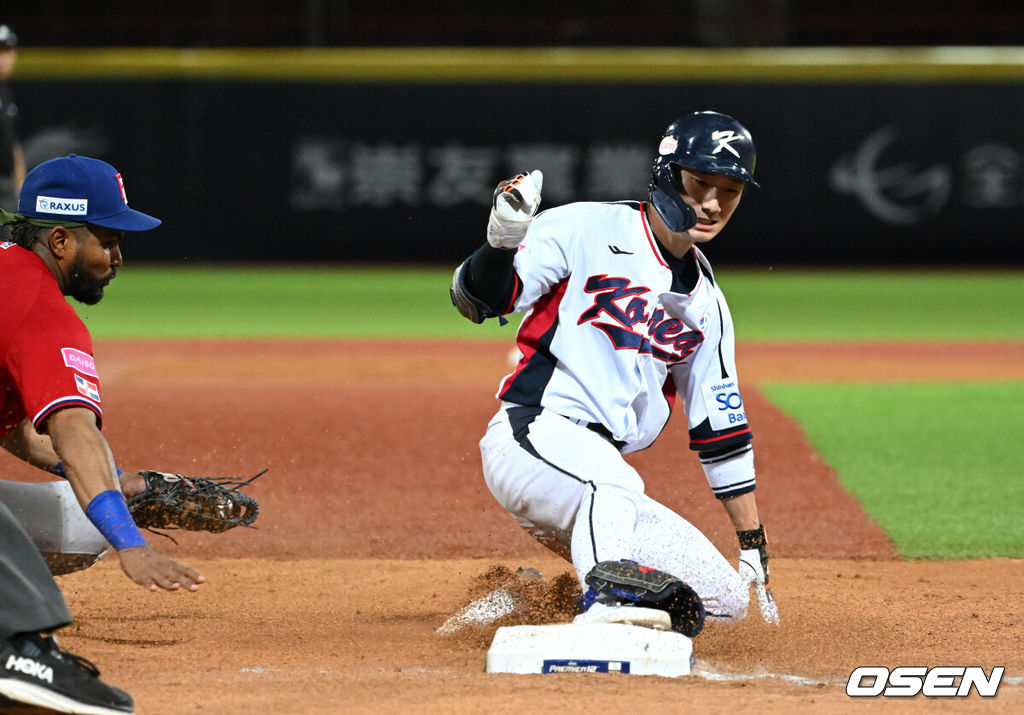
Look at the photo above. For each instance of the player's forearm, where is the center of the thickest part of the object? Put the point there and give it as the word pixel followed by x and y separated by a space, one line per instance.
pixel 84 452
pixel 742 510
pixel 491 277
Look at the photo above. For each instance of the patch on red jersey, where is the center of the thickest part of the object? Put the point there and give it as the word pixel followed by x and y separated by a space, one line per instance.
pixel 89 389
pixel 80 361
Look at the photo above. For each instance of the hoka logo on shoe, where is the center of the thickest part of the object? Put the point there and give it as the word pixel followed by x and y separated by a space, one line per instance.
pixel 30 667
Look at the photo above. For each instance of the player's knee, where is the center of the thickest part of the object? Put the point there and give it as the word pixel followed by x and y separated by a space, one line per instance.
pixel 618 492
pixel 628 481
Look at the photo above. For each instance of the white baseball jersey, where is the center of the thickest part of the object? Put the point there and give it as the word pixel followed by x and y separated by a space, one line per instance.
pixel 608 340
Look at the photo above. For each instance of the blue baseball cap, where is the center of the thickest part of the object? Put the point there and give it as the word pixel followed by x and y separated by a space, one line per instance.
pixel 80 190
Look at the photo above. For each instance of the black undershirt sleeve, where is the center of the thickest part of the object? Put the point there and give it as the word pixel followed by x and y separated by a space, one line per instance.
pixel 492 279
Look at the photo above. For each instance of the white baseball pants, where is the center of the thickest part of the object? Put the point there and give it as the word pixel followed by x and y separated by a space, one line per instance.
pixel 570 489
pixel 57 525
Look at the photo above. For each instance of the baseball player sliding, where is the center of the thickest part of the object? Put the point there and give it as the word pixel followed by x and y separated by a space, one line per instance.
pixel 623 314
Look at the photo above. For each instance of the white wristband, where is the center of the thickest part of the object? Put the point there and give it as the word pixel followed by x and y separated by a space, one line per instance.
pixel 732 472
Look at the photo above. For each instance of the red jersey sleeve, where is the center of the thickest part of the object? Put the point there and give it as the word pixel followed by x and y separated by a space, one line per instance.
pixel 48 363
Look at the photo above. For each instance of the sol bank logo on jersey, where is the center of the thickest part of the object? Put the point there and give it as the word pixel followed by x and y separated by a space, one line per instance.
pixel 724 404
pixel 907 681
pixel 666 339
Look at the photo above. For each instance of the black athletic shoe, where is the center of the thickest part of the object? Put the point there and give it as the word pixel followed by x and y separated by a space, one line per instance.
pixel 625 581
pixel 35 671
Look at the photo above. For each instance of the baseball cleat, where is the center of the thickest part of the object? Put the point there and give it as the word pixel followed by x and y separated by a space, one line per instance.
pixel 626 581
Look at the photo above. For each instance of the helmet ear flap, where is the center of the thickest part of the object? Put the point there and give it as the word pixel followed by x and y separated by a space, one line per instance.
pixel 678 215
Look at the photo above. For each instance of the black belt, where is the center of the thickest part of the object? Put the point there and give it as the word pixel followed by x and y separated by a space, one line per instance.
pixel 520 416
pixel 600 429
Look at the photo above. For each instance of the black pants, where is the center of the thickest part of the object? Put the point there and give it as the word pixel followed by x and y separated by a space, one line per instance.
pixel 30 600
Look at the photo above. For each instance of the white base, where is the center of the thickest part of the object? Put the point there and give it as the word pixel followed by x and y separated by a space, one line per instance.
pixel 628 615
pixel 590 648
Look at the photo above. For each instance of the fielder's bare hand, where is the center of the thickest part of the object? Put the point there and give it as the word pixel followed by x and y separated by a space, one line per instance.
pixel 154 571
pixel 514 204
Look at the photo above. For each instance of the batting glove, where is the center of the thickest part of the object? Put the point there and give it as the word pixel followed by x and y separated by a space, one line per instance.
pixel 753 568
pixel 514 205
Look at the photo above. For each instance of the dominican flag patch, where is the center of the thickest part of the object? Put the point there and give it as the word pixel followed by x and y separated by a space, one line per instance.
pixel 87 388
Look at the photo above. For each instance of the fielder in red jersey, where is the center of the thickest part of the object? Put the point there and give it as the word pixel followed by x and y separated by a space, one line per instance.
pixel 66 241
pixel 48 363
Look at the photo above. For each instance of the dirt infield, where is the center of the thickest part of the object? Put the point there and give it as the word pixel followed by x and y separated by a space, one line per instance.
pixel 375 524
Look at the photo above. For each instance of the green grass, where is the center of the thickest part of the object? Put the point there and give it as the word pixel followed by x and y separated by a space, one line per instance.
pixel 937 465
pixel 363 302
pixel 241 302
pixel 882 304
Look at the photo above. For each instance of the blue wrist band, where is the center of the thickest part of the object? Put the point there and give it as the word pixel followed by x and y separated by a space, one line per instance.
pixel 109 513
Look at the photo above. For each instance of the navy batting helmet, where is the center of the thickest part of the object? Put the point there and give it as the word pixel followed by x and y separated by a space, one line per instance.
pixel 702 141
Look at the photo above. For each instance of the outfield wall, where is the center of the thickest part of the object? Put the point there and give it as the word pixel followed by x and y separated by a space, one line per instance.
pixel 866 156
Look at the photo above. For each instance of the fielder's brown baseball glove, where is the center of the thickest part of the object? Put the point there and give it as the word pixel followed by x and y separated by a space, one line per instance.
pixel 173 501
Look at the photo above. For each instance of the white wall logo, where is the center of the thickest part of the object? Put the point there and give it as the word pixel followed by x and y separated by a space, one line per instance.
pixel 897 194
pixel 723 138
pixel 907 681
pixel 64 207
